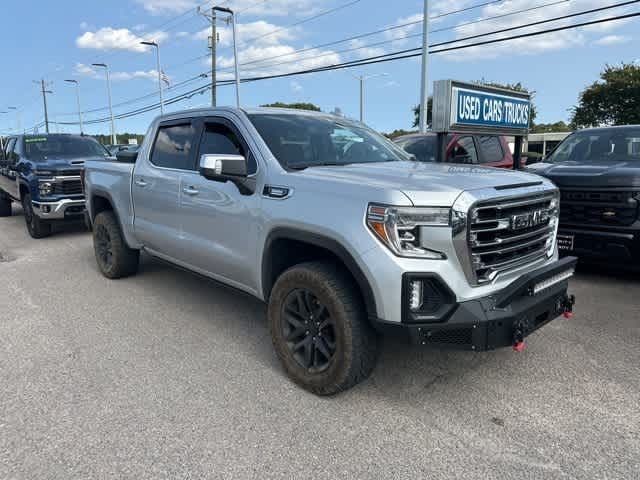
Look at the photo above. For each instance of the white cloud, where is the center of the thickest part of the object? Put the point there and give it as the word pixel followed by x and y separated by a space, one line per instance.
pixel 108 38
pixel 259 32
pixel 167 7
pixel 570 38
pixel 398 34
pixel 83 70
pixel 362 51
pixel 612 40
pixel 296 87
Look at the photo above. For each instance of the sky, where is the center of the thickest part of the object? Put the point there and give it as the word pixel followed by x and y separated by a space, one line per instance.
pixel 59 41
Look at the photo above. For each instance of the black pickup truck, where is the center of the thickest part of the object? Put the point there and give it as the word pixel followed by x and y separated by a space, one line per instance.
pixel 598 173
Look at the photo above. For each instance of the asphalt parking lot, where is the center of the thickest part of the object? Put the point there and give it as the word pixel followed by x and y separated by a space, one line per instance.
pixel 165 375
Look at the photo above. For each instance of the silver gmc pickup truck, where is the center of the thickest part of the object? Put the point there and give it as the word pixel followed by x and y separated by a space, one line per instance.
pixel 339 231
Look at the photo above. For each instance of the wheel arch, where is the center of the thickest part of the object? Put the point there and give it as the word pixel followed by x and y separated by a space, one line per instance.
pixel 285 247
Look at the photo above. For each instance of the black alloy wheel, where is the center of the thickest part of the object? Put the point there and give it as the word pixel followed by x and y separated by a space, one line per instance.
pixel 308 330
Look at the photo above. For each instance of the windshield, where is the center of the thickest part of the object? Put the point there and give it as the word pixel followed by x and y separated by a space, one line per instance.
pixel 42 148
pixel 301 141
pixel 620 144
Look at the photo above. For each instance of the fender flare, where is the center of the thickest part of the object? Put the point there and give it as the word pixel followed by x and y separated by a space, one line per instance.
pixel 327 243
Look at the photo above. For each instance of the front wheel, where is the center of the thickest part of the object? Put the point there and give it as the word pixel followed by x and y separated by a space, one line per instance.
pixel 36 227
pixel 114 257
pixel 319 328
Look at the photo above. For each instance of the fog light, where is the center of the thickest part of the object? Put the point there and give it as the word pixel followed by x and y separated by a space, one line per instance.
pixel 45 188
pixel 415 294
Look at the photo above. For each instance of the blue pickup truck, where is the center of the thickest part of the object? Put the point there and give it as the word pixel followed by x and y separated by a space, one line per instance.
pixel 43 173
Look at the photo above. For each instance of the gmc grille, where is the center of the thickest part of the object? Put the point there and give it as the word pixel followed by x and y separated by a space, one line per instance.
pixel 595 208
pixel 510 234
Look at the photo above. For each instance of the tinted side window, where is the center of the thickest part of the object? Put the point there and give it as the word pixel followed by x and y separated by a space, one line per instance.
pixel 220 139
pixel 173 147
pixel 424 149
pixel 463 150
pixel 491 149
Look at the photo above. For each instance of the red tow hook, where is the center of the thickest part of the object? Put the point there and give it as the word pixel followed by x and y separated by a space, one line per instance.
pixel 568 315
pixel 568 307
pixel 518 346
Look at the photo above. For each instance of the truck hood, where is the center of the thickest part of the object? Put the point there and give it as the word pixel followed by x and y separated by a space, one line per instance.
pixel 601 173
pixel 62 164
pixel 423 183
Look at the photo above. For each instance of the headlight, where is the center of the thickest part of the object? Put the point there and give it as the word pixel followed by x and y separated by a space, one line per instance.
pixel 554 217
pixel 45 188
pixel 399 228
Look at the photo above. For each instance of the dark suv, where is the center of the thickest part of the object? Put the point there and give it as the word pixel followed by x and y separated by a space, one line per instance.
pixel 42 172
pixel 488 150
pixel 598 172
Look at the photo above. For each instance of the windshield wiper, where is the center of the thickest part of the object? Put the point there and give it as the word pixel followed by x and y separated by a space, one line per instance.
pixel 303 166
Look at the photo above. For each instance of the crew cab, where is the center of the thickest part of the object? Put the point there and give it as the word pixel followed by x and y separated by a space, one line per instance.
pixel 486 150
pixel 42 172
pixel 598 173
pixel 338 231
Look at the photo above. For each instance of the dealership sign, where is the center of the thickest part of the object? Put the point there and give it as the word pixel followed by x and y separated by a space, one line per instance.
pixel 461 106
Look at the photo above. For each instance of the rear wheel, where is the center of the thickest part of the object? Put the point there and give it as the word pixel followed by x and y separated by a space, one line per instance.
pixel 37 228
pixel 115 259
pixel 5 206
pixel 319 328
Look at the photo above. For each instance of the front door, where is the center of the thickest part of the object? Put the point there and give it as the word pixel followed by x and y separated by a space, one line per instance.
pixel 218 219
pixel 157 187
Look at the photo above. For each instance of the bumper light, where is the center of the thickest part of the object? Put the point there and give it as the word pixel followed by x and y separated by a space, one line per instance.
pixel 399 228
pixel 415 294
pixel 551 281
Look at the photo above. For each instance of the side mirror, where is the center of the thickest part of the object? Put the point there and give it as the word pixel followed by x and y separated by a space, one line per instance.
pixel 126 156
pixel 529 158
pixel 223 167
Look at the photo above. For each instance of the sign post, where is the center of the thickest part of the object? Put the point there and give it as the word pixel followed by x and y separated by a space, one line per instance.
pixel 474 108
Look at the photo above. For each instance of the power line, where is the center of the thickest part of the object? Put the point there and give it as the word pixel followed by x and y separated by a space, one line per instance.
pixel 399 55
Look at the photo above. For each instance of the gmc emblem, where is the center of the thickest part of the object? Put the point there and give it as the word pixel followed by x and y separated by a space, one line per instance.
pixel 529 220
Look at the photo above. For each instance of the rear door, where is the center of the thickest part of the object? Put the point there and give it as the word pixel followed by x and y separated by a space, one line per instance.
pixel 492 153
pixel 8 174
pixel 156 187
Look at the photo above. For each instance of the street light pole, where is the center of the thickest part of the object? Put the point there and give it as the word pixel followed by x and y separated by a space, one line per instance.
pixel 235 49
pixel 78 99
pixel 424 89
pixel 157 47
pixel 113 125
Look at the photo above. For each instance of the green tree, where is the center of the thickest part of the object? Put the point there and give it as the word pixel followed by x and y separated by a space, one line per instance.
pixel 398 133
pixel 612 100
pixel 551 127
pixel 518 87
pixel 297 106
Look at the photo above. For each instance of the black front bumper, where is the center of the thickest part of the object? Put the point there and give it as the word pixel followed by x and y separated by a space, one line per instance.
pixel 619 247
pixel 500 320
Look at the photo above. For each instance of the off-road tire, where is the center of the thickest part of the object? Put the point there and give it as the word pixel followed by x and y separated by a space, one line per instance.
pixel 36 227
pixel 355 340
pixel 114 257
pixel 5 206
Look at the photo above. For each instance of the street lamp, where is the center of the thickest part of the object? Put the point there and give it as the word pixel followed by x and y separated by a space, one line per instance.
pixel 18 120
pixel 113 126
pixel 424 84
pixel 154 44
pixel 361 79
pixel 77 84
pixel 235 50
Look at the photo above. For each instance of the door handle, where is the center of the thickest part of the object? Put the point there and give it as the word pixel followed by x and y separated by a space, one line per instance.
pixel 140 182
pixel 190 191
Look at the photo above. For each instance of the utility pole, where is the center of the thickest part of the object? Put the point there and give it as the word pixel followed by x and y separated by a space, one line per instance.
pixel 77 84
pixel 213 44
pixel 424 91
pixel 44 100
pixel 232 17
pixel 361 79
